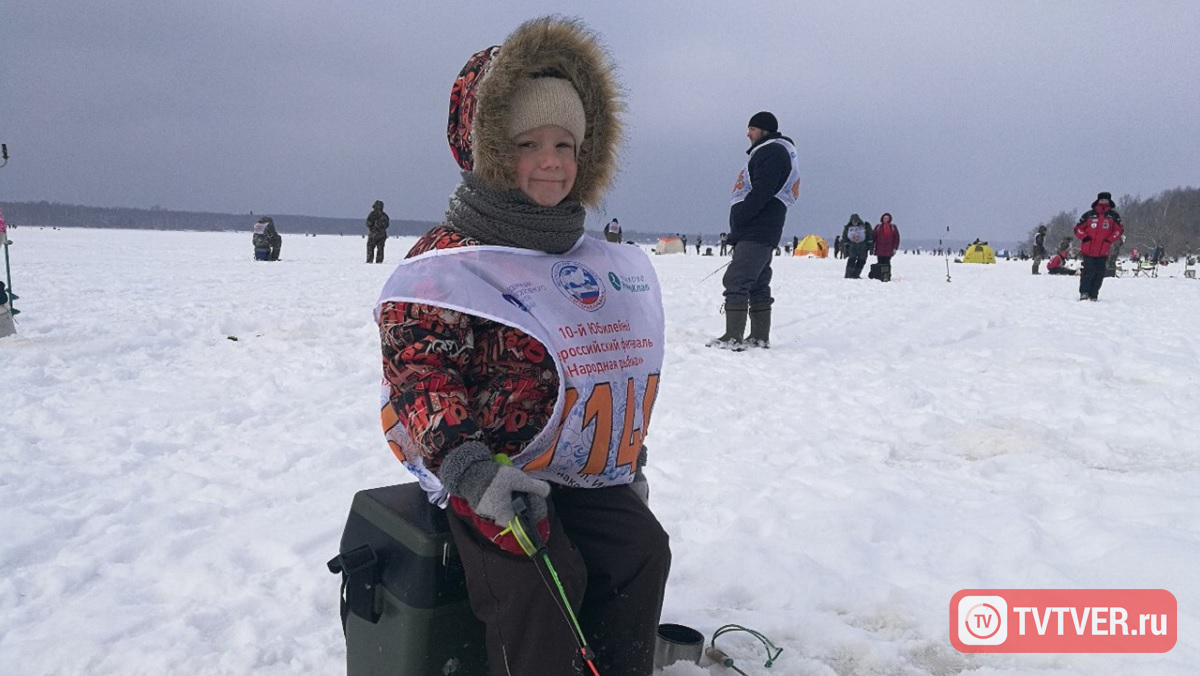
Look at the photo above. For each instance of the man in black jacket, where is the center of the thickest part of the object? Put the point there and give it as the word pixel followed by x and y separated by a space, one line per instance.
pixel 1039 248
pixel 858 239
pixel 762 193
pixel 377 225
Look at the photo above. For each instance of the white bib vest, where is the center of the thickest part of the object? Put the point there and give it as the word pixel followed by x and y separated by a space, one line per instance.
pixel 857 233
pixel 791 187
pixel 597 308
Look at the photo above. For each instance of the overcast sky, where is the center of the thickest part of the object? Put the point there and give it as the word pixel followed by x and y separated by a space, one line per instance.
pixel 987 117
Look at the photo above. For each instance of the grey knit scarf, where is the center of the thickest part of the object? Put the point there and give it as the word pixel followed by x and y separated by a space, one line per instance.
pixel 508 218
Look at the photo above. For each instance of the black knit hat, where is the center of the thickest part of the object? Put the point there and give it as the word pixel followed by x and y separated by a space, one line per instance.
pixel 764 121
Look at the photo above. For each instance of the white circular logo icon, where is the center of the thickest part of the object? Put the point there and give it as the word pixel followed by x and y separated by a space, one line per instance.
pixel 982 620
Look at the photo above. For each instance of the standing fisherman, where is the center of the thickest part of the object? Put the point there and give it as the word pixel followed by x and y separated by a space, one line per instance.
pixel 762 193
pixel 858 240
pixel 1098 228
pixel 612 232
pixel 1039 249
pixel 377 225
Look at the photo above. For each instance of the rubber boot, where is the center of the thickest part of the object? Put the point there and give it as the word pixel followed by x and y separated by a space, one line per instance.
pixel 735 328
pixel 885 273
pixel 760 326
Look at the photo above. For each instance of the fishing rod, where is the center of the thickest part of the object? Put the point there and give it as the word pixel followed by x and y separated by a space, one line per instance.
pixel 525 531
pixel 717 270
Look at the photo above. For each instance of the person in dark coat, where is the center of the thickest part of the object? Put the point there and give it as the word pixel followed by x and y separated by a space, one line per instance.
pixel 612 232
pixel 857 238
pixel 724 244
pixel 266 240
pixel 837 246
pixel 886 239
pixel 1097 229
pixel 1039 249
pixel 1114 255
pixel 1064 244
pixel 764 189
pixel 377 225
pixel 260 240
pixel 276 242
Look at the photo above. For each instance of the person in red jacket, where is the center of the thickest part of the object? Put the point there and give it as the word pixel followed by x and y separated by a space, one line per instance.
pixel 1058 264
pixel 887 241
pixel 1098 228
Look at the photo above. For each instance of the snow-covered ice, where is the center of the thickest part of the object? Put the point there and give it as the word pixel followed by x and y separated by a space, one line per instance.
pixel 169 495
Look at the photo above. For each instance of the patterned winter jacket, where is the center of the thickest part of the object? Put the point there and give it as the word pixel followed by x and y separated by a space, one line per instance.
pixel 455 377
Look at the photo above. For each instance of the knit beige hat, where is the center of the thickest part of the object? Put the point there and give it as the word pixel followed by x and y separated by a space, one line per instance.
pixel 547 100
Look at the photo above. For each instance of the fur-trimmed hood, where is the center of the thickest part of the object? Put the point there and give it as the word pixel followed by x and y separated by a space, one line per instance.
pixel 562 48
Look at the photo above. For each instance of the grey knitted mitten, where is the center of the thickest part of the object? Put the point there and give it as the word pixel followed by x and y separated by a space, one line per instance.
pixel 471 473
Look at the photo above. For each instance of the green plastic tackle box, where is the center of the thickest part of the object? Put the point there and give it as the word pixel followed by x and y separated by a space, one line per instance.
pixel 404 597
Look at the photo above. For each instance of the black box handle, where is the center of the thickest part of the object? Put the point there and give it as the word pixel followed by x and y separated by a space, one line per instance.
pixel 360 576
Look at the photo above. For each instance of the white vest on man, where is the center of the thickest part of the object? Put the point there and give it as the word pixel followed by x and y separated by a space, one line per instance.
pixel 791 187
pixel 598 310
pixel 857 233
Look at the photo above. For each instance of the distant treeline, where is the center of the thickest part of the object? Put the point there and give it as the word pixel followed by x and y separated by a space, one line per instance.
pixel 54 214
pixel 1170 219
pixel 58 215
